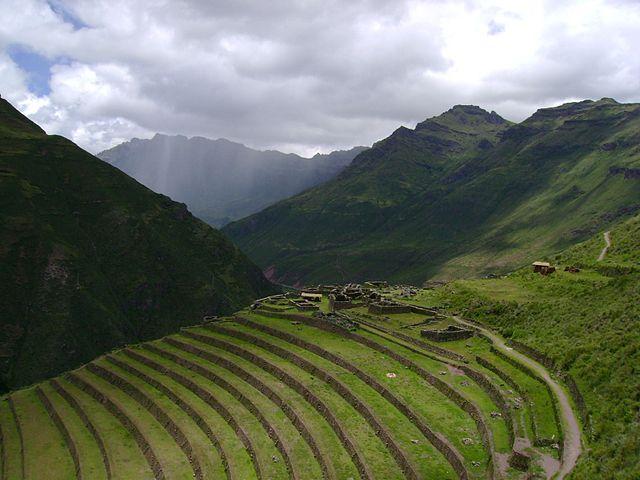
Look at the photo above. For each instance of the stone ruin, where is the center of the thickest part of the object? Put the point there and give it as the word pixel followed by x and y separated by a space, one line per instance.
pixel 376 284
pixel 304 305
pixel 337 319
pixel 340 301
pixel 449 334
pixel 383 307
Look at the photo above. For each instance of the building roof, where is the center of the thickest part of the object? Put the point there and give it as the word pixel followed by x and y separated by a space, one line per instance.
pixel 311 295
pixel 541 264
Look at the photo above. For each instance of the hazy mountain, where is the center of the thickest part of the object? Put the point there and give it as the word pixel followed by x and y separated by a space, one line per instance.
pixel 463 193
pixel 221 180
pixel 90 259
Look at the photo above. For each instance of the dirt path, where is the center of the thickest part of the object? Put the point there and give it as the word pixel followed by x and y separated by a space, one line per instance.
pixel 607 241
pixel 570 426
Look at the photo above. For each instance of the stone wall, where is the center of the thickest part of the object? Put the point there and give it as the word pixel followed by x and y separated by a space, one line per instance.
pixel 377 308
pixel 195 416
pixel 261 387
pixel 57 421
pixel 301 389
pixel 86 421
pixel 452 455
pixel 152 407
pixel 126 422
pixel 363 409
pixel 449 334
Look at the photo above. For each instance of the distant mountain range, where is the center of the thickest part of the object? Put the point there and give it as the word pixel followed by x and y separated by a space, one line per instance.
pixel 464 193
pixel 221 180
pixel 90 259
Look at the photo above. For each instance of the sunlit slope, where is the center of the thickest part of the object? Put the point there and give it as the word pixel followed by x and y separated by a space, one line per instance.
pixel 462 194
pixel 282 394
pixel 90 259
pixel 586 323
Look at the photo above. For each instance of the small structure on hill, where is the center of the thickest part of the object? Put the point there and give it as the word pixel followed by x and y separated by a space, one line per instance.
pixel 383 307
pixel 340 301
pixel 572 269
pixel 337 319
pixel 543 268
pixel 449 334
pixel 304 305
pixel 312 297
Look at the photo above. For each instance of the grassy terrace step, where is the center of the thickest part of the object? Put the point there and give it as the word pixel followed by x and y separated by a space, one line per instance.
pixel 334 458
pixel 366 450
pixel 358 396
pixel 12 445
pixel 45 452
pixel 409 385
pixel 150 437
pixel 156 411
pixel 256 442
pixel 251 407
pixel 289 437
pixel 412 360
pixel 232 449
pixel 436 467
pixel 94 462
pixel 191 422
pixel 541 403
pixel 124 453
pixel 62 429
pixel 481 390
pixel 535 421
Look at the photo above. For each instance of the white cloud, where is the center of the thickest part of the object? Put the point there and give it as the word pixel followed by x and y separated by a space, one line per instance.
pixel 301 75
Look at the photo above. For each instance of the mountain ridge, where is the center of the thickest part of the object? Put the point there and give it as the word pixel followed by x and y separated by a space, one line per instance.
pixel 91 259
pixel 483 197
pixel 222 180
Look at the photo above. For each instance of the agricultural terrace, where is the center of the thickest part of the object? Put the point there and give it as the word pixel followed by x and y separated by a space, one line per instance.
pixel 334 382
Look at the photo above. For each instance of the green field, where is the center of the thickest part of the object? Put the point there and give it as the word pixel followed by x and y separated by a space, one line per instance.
pixel 266 395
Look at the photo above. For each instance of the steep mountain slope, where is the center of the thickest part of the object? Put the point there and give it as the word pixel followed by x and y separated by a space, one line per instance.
pixel 585 323
pixel 463 193
pixel 91 259
pixel 221 180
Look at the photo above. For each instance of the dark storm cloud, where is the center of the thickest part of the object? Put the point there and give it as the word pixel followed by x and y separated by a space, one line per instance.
pixel 309 74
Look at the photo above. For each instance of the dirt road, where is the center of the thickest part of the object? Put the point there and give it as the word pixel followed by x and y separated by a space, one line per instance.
pixel 607 241
pixel 570 426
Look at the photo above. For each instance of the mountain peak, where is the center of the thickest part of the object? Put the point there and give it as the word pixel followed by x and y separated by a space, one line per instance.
pixel 12 120
pixel 463 116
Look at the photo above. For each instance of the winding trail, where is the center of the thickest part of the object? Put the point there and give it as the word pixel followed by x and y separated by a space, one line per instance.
pixel 607 241
pixel 570 426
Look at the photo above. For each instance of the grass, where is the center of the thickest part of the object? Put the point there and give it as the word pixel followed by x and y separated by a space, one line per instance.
pixel 257 414
pixel 91 463
pixel 377 456
pixel 46 455
pixel 586 323
pixel 439 412
pixel 400 427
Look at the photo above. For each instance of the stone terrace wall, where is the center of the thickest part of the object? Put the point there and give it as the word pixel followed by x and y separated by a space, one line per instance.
pixel 68 440
pixel 86 422
pixel 126 422
pixel 302 390
pixel 381 430
pixel 446 335
pixel 470 408
pixel 452 456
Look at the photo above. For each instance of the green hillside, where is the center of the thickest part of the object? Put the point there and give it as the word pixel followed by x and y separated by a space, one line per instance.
pixel 586 323
pixel 278 393
pixel 91 259
pixel 462 194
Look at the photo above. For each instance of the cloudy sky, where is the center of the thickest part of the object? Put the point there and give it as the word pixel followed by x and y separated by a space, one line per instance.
pixel 304 75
